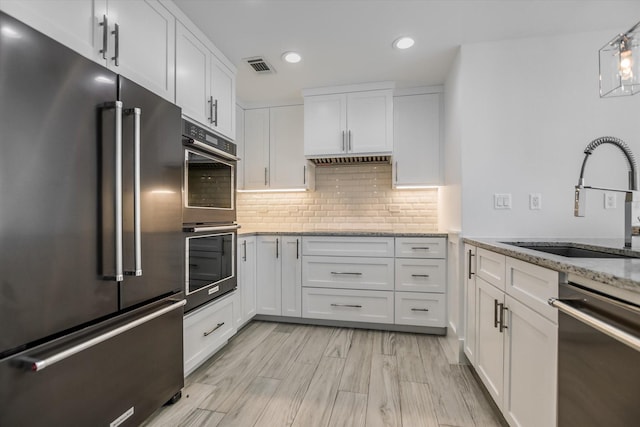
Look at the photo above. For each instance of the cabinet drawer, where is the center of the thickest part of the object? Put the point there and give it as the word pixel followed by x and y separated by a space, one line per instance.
pixel 532 285
pixel 347 304
pixel 420 275
pixel 348 246
pixel 348 272
pixel 206 330
pixel 420 309
pixel 491 267
pixel 421 247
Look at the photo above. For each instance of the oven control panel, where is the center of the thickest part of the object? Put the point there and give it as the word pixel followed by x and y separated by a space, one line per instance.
pixel 197 133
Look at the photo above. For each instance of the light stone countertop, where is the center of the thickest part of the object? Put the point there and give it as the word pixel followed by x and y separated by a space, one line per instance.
pixel 616 277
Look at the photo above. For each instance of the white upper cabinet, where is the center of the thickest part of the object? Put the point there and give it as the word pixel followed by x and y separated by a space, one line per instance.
pixel 256 149
pixel 286 153
pixel 74 23
pixel 142 44
pixel 205 87
pixel 273 151
pixel 192 75
pixel 416 140
pixel 132 38
pixel 344 124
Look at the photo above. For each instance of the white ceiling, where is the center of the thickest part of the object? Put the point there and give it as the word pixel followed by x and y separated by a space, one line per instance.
pixel 349 41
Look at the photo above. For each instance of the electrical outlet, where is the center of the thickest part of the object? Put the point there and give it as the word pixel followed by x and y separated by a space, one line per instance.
pixel 502 201
pixel 535 201
pixel 610 200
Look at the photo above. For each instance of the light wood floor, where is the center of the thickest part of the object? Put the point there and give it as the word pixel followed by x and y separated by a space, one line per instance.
pixel 274 374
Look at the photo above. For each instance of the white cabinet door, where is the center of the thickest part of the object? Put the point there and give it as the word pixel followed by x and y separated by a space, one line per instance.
pixel 470 317
pixel 223 96
pixel 420 309
pixel 74 23
pixel 291 276
pixel 268 274
pixel 490 340
pixel 145 44
pixel 370 122
pixel 240 147
pixel 286 160
pixel 491 267
pixel 246 278
pixel 530 367
pixel 256 149
pixel 192 75
pixel 421 275
pixel 416 140
pixel 325 124
pixel 347 304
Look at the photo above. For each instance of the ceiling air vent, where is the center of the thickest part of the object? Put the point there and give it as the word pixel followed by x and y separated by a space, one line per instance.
pixel 259 65
pixel 329 161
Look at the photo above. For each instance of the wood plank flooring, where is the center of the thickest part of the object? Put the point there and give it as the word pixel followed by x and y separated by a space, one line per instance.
pixel 277 375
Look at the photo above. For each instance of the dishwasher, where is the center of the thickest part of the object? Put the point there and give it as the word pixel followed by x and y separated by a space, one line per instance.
pixel 598 359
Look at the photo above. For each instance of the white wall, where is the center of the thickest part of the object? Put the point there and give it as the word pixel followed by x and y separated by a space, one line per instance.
pixel 525 110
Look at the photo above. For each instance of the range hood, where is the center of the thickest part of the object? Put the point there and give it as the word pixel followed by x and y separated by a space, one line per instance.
pixel 350 160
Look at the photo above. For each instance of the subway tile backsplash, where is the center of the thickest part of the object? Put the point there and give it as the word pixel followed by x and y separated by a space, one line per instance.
pixel 354 197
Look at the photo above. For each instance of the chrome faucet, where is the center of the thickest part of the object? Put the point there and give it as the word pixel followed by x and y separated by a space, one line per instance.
pixel 630 194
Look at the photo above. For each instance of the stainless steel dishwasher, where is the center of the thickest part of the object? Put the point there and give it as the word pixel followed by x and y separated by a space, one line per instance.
pixel 598 359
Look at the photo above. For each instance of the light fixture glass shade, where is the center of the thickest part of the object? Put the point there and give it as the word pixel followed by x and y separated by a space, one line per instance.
pixel 620 64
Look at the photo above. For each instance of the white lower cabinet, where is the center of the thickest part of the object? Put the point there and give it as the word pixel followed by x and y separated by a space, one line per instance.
pixel 420 309
pixel 348 272
pixel 206 330
pixel 246 260
pixel 348 304
pixel 279 266
pixel 421 275
pixel 470 318
pixel 512 337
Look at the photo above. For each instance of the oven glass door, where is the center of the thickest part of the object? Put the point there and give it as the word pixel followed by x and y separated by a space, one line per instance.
pixel 210 261
pixel 209 181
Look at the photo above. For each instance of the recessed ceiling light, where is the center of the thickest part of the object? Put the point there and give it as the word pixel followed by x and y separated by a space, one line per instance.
pixel 291 57
pixel 403 43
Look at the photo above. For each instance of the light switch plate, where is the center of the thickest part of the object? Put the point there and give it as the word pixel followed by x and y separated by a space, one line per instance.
pixel 610 200
pixel 535 201
pixel 502 201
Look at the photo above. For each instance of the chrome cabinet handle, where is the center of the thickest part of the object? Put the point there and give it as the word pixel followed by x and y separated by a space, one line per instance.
pixel 419 275
pixel 346 305
pixel 471 273
pixel 346 273
pixel 244 246
pixel 277 251
pixel 218 326
pixel 349 141
pixel 210 102
pixel 38 365
pixel 343 141
pixel 265 177
pixel 304 174
pixel 105 36
pixel 137 234
pixel 502 310
pixel 297 248
pixel 419 309
pixel 116 33
pixel 621 336
pixel 396 171
pixel 215 116
pixel 420 248
pixel 495 313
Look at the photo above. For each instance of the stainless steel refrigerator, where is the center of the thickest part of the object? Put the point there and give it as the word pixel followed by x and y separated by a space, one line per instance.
pixel 91 262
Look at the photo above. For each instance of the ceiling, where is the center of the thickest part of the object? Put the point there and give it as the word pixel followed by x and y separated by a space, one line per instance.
pixel 350 41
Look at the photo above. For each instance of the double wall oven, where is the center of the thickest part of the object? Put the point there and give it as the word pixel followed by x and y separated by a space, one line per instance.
pixel 208 214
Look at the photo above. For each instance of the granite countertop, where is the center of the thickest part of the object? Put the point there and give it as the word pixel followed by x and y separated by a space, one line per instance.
pixel 618 277
pixel 338 233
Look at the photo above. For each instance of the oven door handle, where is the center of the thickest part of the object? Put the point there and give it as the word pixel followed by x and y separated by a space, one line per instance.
pixel 607 329
pixel 214 228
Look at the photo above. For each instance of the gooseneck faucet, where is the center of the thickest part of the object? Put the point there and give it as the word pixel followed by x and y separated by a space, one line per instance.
pixel 580 194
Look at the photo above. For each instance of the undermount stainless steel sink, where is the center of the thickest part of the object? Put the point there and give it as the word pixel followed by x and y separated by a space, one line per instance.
pixel 570 250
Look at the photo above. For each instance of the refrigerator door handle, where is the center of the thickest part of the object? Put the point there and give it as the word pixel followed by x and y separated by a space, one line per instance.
pixel 118 189
pixel 137 238
pixel 38 365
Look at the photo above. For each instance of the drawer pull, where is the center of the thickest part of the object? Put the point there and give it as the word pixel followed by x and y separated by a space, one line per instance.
pixel 419 309
pixel 347 273
pixel 419 275
pixel 423 248
pixel 346 305
pixel 218 326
